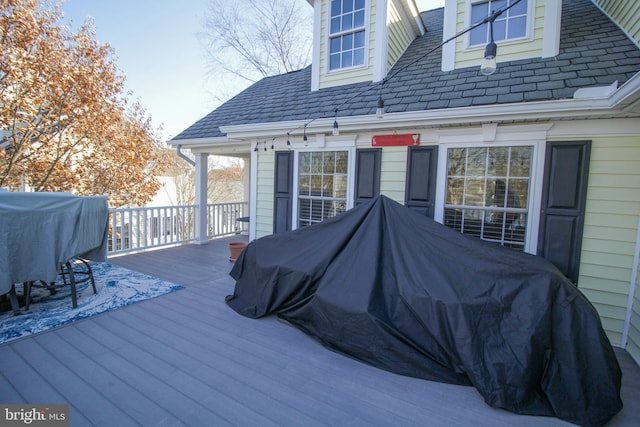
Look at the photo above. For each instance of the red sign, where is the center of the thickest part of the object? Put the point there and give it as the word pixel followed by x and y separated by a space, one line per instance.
pixel 396 140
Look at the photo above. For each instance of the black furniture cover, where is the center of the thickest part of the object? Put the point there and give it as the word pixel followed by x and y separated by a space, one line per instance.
pixel 392 288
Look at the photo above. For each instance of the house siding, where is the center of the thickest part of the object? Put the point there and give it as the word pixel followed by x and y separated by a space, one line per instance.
pixel 264 193
pixel 611 221
pixel 510 51
pixel 625 13
pixel 633 343
pixel 393 173
pixel 355 75
pixel 399 35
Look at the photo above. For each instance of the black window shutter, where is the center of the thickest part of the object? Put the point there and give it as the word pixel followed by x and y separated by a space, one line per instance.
pixel 283 191
pixel 367 185
pixel 420 187
pixel 564 195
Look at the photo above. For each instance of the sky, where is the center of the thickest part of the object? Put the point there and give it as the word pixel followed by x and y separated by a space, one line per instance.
pixel 158 50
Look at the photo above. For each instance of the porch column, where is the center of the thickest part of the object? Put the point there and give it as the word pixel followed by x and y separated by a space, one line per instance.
pixel 201 198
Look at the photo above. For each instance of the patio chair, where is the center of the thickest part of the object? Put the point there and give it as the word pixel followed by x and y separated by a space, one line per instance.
pixel 73 272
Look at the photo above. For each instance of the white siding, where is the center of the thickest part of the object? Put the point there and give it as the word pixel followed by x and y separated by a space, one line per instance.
pixel 393 173
pixel 626 13
pixel 611 221
pixel 400 33
pixel 264 202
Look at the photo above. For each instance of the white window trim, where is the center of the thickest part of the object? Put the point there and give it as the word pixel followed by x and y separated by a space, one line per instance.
pixel 327 41
pixel 492 136
pixel 526 38
pixel 350 147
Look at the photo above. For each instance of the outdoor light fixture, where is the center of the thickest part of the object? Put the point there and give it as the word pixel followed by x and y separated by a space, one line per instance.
pixel 256 149
pixel 489 64
pixel 380 109
pixel 288 140
pixel 336 131
pixel 304 135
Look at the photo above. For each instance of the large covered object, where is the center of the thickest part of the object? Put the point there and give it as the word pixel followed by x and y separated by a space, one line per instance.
pixel 392 288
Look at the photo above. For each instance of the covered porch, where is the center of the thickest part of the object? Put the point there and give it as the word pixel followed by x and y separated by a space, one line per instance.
pixel 185 358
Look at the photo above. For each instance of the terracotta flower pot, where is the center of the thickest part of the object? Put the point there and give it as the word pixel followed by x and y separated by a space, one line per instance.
pixel 235 249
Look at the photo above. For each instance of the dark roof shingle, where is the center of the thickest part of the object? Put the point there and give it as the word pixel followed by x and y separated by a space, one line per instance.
pixel 593 52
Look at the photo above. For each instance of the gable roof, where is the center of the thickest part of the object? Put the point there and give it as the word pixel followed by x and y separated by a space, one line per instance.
pixel 593 52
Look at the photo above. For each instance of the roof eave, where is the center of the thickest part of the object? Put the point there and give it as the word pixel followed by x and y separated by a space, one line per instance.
pixel 626 98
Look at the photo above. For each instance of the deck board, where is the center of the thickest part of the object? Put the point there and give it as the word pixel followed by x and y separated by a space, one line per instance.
pixel 185 358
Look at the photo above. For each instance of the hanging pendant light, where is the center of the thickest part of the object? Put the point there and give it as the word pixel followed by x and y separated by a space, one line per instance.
pixel 380 109
pixel 489 64
pixel 304 136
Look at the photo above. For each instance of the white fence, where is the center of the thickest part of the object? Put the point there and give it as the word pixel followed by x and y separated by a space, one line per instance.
pixel 135 229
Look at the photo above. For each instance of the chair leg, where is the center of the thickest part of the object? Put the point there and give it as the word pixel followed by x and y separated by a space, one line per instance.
pixel 90 272
pixel 26 290
pixel 13 298
pixel 72 280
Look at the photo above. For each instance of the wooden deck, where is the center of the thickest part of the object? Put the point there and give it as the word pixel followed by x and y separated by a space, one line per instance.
pixel 187 359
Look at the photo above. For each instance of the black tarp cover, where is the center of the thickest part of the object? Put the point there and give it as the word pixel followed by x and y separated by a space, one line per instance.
pixel 392 288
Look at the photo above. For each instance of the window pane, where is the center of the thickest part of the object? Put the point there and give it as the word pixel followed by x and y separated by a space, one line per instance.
pixel 304 185
pixel 359 39
pixel 518 193
pixel 304 210
pixel 478 36
pixel 476 161
pixel 335 25
pixel 340 186
pixel 498 161
pixel 519 9
pixel 499 30
pixel 336 45
pixel 347 42
pixel 347 60
pixel 358 57
pixel 517 27
pixel 347 22
pixel 341 162
pixel 499 193
pixel 456 161
pixel 520 161
pixel 316 163
pixel 359 4
pixel 316 185
pixel 358 19
pixel 335 7
pixel 304 163
pixel 479 12
pixel 330 162
pixel 347 6
pixel 474 195
pixel 498 4
pixel 327 186
pixel 334 62
pixel 455 191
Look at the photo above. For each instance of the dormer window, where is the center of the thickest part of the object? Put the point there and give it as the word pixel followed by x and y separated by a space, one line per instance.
pixel 347 34
pixel 510 25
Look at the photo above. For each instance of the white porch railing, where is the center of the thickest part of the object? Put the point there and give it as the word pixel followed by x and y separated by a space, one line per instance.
pixel 135 229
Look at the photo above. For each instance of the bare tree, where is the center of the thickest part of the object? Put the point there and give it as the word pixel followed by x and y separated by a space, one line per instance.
pixel 224 180
pixel 251 39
